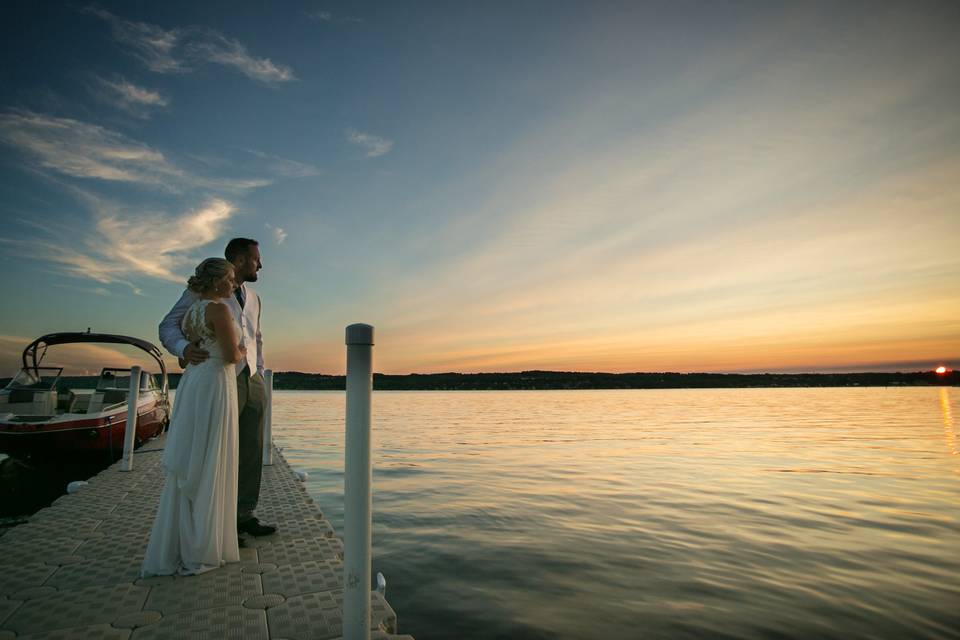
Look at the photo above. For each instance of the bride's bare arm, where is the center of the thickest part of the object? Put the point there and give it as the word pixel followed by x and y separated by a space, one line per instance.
pixel 219 317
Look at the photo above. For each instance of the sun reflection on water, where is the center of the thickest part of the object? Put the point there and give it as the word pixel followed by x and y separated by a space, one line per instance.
pixel 949 432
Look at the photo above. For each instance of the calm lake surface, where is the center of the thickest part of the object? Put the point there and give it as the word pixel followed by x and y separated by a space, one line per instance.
pixel 735 513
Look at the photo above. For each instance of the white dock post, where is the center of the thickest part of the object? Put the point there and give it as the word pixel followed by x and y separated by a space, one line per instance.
pixel 133 399
pixel 357 484
pixel 268 418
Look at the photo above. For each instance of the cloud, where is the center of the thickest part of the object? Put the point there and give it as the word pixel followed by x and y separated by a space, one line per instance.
pixel 233 184
pixel 217 48
pixel 178 50
pixel 152 45
pixel 84 150
pixel 37 225
pixel 320 16
pixel 99 291
pixel 69 261
pixel 123 241
pixel 285 167
pixel 375 145
pixel 127 244
pixel 154 245
pixel 138 101
pixel 278 233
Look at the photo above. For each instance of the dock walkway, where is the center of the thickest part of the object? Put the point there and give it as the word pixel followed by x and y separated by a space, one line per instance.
pixel 71 572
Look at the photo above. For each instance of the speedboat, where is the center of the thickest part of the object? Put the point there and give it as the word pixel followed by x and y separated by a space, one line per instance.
pixel 42 417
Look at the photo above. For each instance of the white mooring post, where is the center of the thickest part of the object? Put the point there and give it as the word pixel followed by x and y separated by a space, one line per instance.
pixel 268 418
pixel 133 399
pixel 357 501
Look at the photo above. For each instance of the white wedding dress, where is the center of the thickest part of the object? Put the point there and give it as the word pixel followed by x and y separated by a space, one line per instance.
pixel 196 525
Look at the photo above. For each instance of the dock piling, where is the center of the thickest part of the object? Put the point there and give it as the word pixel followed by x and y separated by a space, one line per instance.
pixel 357 484
pixel 268 418
pixel 129 438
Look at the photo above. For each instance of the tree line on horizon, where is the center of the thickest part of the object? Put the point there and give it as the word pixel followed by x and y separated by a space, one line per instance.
pixel 536 380
pixel 533 380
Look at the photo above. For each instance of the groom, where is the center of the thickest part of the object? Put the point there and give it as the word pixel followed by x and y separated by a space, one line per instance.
pixel 244 253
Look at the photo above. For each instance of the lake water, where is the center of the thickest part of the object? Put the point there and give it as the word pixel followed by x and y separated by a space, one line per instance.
pixel 735 513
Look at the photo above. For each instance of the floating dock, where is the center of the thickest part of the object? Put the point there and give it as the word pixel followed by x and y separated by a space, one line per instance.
pixel 72 571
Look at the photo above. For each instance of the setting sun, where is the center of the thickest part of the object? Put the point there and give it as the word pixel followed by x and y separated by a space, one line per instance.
pixel 941 369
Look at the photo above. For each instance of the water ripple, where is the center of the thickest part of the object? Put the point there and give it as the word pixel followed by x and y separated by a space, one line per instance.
pixel 737 513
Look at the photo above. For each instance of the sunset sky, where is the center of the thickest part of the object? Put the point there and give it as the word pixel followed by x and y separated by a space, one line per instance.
pixel 496 186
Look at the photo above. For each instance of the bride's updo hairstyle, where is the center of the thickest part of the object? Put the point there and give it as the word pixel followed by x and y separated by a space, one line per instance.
pixel 207 274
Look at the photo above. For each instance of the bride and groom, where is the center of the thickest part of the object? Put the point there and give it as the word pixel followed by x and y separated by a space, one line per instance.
pixel 214 450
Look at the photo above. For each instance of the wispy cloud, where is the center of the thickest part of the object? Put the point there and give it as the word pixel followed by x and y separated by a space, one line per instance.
pixel 322 15
pixel 123 241
pixel 212 46
pixel 68 260
pixel 127 244
pixel 84 150
pixel 278 233
pixel 177 50
pixel 154 245
pixel 98 291
pixel 375 145
pixel 135 100
pixel 152 45
pixel 285 167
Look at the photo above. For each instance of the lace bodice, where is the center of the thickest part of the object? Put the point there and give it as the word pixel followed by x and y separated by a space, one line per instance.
pixel 195 328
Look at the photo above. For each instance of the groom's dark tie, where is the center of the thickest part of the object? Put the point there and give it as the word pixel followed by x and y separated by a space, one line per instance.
pixel 239 293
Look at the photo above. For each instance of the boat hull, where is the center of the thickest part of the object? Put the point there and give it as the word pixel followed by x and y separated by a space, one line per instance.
pixel 100 435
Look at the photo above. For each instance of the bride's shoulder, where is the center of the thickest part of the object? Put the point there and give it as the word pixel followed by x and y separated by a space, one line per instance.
pixel 216 306
pixel 216 309
pixel 199 305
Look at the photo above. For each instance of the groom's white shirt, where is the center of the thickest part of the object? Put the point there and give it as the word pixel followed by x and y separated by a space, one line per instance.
pixel 171 333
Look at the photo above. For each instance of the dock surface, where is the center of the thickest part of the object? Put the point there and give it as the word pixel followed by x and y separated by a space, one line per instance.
pixel 72 571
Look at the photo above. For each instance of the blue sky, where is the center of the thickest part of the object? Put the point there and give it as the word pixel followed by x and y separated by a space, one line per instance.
pixel 688 186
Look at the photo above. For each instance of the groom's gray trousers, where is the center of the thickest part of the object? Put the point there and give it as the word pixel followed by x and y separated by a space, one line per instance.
pixel 251 399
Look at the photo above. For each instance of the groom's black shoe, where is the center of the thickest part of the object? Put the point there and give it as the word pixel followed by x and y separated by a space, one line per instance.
pixel 255 528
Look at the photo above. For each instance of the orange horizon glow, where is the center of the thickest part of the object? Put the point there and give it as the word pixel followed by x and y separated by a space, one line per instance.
pixel 400 355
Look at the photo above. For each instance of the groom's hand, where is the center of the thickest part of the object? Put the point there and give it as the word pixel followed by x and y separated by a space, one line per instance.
pixel 193 355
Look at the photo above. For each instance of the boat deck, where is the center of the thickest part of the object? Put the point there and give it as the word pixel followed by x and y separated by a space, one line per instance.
pixel 71 572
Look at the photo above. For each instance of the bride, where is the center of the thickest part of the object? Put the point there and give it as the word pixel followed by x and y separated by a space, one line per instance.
pixel 195 527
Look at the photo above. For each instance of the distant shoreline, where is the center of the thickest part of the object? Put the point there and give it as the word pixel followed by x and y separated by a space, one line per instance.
pixel 546 380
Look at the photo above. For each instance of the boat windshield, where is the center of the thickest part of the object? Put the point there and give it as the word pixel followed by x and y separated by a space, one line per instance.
pixel 35 379
pixel 114 378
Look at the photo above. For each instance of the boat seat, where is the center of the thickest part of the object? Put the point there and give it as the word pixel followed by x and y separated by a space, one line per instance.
pixel 21 395
pixel 114 396
pixel 100 400
pixel 65 401
pixel 81 402
pixel 96 402
pixel 26 402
